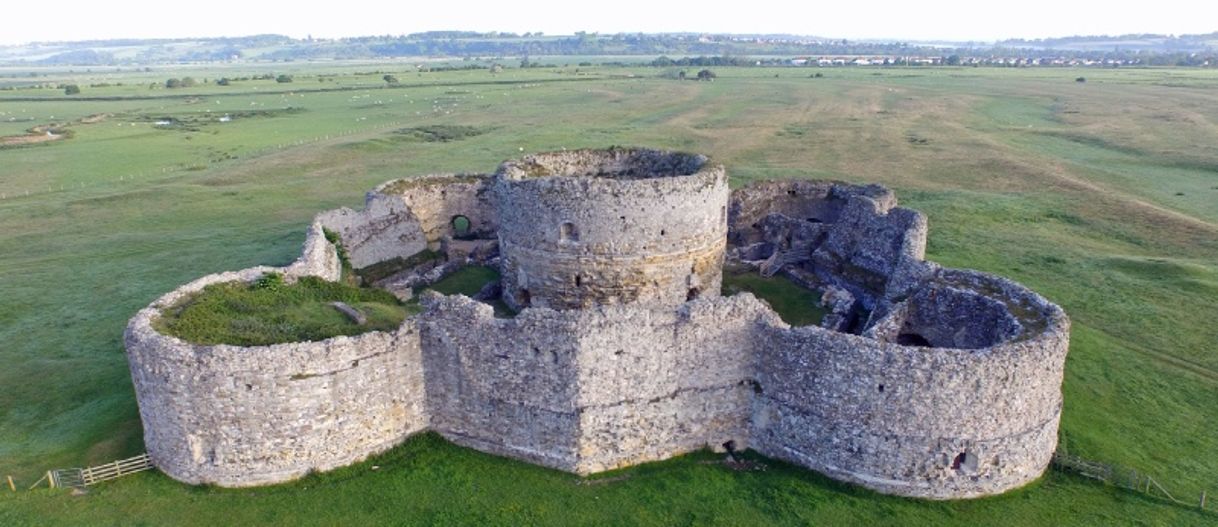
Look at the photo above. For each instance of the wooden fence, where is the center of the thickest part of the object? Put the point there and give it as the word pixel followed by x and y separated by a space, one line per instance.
pixel 1126 478
pixel 83 477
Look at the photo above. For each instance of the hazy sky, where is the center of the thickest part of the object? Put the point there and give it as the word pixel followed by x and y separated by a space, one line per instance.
pixel 45 20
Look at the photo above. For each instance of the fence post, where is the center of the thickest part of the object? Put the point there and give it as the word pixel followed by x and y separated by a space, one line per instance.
pixel 10 481
pixel 51 478
pixel 13 486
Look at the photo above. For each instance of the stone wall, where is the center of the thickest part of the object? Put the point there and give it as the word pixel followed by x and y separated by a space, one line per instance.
pixel 563 388
pixel 403 217
pixel 506 386
pixel 658 382
pixel 654 234
pixel 925 422
pixel 238 416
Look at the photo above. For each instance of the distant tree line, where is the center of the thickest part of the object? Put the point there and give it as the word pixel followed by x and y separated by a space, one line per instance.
pixel 1187 50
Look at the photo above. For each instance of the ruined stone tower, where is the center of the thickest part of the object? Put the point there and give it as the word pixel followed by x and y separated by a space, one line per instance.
pixel 655 232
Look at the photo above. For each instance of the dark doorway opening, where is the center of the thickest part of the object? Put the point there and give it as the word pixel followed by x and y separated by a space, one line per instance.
pixel 461 226
pixel 913 339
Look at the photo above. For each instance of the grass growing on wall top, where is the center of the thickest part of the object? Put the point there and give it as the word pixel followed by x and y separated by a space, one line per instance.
pixel 258 315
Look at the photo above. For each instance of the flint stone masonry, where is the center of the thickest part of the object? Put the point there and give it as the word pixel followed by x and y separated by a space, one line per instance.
pixel 927 382
pixel 654 234
pixel 405 216
pixel 240 416
pixel 561 388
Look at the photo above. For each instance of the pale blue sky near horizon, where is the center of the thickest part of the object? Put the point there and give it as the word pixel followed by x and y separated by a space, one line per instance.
pixel 951 20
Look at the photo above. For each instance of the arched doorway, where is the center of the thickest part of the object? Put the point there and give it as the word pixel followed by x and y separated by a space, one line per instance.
pixel 461 226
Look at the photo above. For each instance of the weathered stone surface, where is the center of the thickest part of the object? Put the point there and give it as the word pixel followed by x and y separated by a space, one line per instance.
pixel 405 216
pixel 951 389
pixel 239 416
pixel 655 233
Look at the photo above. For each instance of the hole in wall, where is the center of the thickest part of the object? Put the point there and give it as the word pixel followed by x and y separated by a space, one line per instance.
pixel 814 220
pixel 579 280
pixel 568 232
pixel 790 192
pixel 524 298
pixel 460 225
pixel 881 388
pixel 662 232
pixel 913 339
pixel 965 462
pixel 692 294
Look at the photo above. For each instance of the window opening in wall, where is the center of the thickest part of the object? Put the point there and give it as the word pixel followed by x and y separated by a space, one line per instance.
pixel 567 232
pixel 881 388
pixel 579 280
pixel 461 226
pixel 692 294
pixel 525 298
pixel 965 462
pixel 913 339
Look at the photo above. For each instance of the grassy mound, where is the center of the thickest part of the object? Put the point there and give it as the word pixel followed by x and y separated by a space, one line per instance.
pixel 270 312
pixel 797 306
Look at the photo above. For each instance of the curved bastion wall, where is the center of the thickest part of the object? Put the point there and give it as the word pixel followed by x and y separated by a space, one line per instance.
pixel 919 421
pixel 933 383
pixel 239 416
pixel 655 232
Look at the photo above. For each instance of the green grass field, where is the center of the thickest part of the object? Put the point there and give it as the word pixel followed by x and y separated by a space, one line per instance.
pixel 1103 196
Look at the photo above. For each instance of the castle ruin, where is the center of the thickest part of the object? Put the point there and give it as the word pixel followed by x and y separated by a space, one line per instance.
pixel 921 381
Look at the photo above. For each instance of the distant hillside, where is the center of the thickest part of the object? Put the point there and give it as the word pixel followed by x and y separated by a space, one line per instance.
pixel 1196 50
pixel 1133 43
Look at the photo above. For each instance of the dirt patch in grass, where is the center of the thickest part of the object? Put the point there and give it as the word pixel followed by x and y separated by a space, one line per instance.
pixel 439 133
pixel 36 136
pixel 258 314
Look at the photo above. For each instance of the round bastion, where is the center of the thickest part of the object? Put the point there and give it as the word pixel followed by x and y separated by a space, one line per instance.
pixel 593 227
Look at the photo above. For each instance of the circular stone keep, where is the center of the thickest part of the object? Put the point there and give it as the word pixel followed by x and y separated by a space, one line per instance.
pixel 592 227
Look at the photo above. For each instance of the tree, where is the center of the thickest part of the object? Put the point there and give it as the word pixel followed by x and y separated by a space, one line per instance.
pixel 706 75
pixel 282 78
pixel 188 82
pixel 681 75
pixel 173 83
pixel 71 89
pixel 390 79
pixel 953 60
pixel 222 82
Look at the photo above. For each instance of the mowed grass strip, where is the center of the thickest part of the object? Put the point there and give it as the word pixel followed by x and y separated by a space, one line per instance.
pixel 259 315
